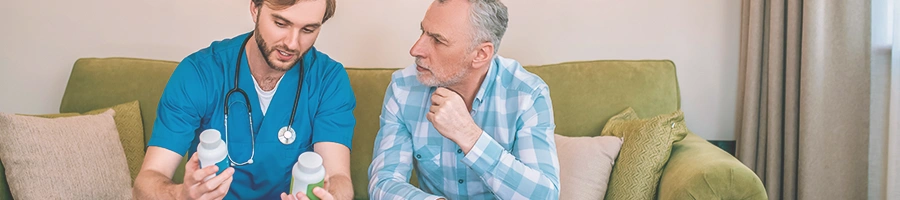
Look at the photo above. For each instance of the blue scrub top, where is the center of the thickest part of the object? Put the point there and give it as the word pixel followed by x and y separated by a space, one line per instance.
pixel 194 101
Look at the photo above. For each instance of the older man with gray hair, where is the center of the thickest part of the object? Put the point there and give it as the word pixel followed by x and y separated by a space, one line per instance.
pixel 476 125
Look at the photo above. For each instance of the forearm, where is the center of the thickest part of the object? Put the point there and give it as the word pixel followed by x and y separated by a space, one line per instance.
pixel 340 186
pixel 390 188
pixel 155 185
pixel 506 189
pixel 496 166
pixel 389 173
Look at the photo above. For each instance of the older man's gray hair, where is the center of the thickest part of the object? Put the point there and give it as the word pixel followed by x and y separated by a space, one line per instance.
pixel 489 19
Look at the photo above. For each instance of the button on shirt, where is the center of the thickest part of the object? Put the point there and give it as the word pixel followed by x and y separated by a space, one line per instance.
pixel 514 158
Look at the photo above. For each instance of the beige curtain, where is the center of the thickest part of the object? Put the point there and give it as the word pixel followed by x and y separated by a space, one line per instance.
pixel 804 97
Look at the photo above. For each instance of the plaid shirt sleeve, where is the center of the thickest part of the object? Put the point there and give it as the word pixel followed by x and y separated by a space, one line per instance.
pixel 392 156
pixel 530 170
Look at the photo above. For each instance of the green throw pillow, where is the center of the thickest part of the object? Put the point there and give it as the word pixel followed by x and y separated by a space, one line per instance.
pixel 645 151
pixel 131 134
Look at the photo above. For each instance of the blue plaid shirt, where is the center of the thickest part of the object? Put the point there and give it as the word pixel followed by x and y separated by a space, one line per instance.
pixel 514 158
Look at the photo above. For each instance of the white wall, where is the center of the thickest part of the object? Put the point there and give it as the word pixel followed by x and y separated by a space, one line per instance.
pixel 41 40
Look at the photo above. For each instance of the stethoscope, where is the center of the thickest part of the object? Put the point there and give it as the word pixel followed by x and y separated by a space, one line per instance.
pixel 286 135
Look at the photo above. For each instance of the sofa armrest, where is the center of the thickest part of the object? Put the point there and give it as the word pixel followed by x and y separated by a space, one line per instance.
pixel 698 169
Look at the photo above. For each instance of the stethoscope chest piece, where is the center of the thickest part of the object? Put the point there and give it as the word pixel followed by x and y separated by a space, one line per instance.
pixel 287 135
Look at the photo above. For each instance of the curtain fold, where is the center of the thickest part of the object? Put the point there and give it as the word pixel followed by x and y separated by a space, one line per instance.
pixel 803 113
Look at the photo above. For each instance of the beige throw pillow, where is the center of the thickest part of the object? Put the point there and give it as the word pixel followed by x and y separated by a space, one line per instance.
pixel 131 132
pixel 585 164
pixel 76 157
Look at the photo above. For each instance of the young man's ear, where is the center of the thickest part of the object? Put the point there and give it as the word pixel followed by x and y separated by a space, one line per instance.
pixel 484 53
pixel 254 12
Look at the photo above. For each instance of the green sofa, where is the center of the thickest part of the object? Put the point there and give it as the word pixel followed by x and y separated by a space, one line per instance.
pixel 584 94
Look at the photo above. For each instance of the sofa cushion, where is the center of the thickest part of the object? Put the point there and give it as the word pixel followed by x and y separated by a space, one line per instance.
pixel 646 149
pixel 128 124
pixel 77 157
pixel 585 164
pixel 131 133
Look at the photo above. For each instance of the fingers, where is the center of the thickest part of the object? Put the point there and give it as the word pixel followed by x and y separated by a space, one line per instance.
pixel 441 95
pixel 447 92
pixel 215 188
pixel 435 105
pixel 223 189
pixel 322 193
pixel 202 173
pixel 444 95
pixel 206 186
pixel 301 196
pixel 318 191
pixel 190 167
pixel 285 196
pixel 437 100
pixel 193 163
pixel 434 108
pixel 218 180
pixel 220 191
pixel 441 91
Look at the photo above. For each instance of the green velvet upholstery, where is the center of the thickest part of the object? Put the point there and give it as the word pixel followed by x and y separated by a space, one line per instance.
pixel 584 94
pixel 700 170
pixel 4 185
pixel 369 86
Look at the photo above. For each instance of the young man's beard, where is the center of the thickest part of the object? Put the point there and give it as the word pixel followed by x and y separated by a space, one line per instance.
pixel 266 52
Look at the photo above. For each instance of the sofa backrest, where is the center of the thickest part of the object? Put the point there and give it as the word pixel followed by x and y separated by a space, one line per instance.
pixel 103 82
pixel 584 95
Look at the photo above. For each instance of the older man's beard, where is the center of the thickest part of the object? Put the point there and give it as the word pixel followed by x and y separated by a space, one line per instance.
pixel 267 52
pixel 435 79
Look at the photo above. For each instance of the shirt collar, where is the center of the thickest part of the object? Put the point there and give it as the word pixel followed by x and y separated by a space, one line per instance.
pixel 488 83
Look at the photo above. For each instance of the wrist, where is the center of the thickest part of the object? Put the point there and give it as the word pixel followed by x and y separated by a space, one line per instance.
pixel 178 192
pixel 471 137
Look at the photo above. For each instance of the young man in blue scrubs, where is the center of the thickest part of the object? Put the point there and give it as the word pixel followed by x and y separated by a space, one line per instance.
pixel 476 125
pixel 268 64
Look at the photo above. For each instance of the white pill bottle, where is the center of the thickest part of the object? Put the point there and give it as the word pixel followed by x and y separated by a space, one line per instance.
pixel 212 151
pixel 307 174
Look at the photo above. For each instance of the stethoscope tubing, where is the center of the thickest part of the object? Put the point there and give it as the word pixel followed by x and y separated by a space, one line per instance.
pixel 237 89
